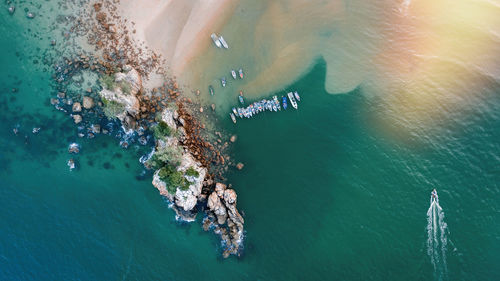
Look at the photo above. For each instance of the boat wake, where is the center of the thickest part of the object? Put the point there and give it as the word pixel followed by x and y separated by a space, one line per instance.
pixel 437 240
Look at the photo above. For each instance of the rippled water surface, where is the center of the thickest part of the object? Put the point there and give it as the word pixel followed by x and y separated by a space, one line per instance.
pixel 337 190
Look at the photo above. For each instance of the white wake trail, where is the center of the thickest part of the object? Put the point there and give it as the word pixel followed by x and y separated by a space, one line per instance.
pixel 437 240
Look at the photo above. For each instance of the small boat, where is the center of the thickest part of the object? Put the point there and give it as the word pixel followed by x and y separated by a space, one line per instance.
pixel 233 73
pixel 211 90
pixel 276 102
pixel 221 39
pixel 232 117
pixel 216 40
pixel 292 100
pixel 296 95
pixel 223 81
pixel 235 111
pixel 240 97
pixel 285 105
pixel 434 196
pixel 241 73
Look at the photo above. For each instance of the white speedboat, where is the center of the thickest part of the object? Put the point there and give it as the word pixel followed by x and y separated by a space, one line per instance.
pixel 233 73
pixel 296 95
pixel 292 100
pixel 216 40
pixel 232 117
pixel 221 39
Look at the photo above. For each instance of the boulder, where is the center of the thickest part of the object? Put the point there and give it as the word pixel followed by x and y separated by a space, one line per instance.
pixel 239 166
pixel 233 138
pixel 132 77
pixel 219 188
pixel 77 118
pixel 167 116
pixel 214 204
pixel 230 196
pixel 88 102
pixel 77 107
pixel 185 199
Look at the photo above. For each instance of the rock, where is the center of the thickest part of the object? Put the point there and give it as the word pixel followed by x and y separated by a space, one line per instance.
pixel 230 196
pixel 233 138
pixel 132 77
pixel 77 107
pixel 219 189
pixel 95 128
pixel 89 90
pixel 73 148
pixel 88 102
pixel 71 164
pixel 12 9
pixel 161 186
pixel 30 15
pixel 239 166
pixel 201 109
pixel 77 118
pixel 213 107
pixel 61 95
pixel 167 116
pixel 54 101
pixel 217 207
pixel 185 199
pixel 128 100
pixel 183 123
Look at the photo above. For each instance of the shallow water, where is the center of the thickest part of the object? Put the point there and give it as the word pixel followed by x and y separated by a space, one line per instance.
pixel 338 189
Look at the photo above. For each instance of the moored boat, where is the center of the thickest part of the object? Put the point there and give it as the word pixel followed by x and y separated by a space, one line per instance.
pixel 235 111
pixel 232 117
pixel 276 102
pixel 233 73
pixel 296 95
pixel 216 40
pixel 285 105
pixel 221 39
pixel 240 97
pixel 292 100
pixel 223 81
pixel 211 89
pixel 241 73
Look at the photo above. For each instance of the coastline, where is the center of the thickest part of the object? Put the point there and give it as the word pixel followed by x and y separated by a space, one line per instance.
pixel 136 91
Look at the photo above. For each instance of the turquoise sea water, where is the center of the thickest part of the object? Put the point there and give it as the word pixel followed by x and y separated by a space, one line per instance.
pixel 338 190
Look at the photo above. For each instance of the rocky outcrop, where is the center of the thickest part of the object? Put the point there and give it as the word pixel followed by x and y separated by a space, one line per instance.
pixel 130 80
pixel 220 201
pixel 88 102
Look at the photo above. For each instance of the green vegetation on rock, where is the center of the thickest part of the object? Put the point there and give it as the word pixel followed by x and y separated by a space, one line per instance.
pixel 125 86
pixel 108 82
pixel 192 172
pixel 173 178
pixel 162 130
pixel 112 108
pixel 166 155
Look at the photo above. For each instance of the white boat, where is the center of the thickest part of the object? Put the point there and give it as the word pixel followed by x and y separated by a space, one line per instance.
pixel 216 40
pixel 233 73
pixel 292 100
pixel 296 95
pixel 221 39
pixel 232 117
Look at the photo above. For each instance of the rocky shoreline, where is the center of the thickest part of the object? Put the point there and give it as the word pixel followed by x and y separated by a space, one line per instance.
pixel 188 159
